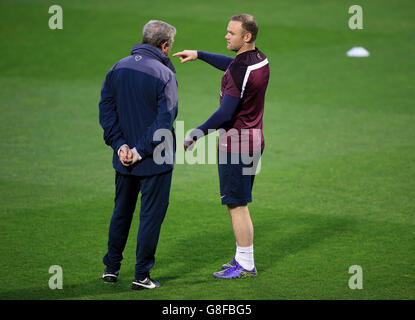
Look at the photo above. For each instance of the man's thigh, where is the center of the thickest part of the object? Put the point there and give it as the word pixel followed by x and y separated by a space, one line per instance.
pixel 155 191
pixel 235 186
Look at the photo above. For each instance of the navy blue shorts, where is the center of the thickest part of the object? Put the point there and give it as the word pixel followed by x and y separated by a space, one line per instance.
pixel 236 179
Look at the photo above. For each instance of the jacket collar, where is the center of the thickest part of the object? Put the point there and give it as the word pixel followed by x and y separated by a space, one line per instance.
pixel 152 51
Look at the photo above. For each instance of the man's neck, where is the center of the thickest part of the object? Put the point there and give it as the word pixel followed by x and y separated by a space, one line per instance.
pixel 246 47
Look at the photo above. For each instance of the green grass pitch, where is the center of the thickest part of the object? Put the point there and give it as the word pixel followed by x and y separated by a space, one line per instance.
pixel 337 185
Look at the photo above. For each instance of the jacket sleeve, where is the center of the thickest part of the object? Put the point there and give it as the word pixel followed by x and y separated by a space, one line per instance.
pixel 166 113
pixel 108 116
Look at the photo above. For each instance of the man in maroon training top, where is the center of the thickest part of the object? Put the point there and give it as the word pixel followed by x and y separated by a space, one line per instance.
pixel 241 140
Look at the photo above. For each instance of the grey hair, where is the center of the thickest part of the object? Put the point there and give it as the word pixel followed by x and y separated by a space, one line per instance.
pixel 156 32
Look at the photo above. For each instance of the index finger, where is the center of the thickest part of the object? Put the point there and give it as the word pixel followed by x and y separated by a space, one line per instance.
pixel 181 53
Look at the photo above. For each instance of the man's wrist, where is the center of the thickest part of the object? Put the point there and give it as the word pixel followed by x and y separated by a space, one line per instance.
pixel 196 134
pixel 119 149
pixel 136 154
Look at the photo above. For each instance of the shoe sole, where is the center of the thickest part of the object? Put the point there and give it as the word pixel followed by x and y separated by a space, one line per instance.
pixel 238 277
pixel 244 275
pixel 109 278
pixel 136 286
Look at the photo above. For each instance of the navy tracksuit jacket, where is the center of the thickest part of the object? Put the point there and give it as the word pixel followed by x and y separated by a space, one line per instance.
pixel 138 97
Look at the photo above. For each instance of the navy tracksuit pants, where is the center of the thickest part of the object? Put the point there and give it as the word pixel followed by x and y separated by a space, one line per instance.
pixel 155 192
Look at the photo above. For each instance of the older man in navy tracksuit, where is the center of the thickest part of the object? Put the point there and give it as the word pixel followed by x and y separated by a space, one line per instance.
pixel 137 108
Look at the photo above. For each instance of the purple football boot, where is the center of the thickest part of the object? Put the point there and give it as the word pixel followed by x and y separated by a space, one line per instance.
pixel 237 271
pixel 229 264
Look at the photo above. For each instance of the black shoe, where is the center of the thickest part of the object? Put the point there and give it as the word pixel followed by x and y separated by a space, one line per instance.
pixel 110 276
pixel 147 283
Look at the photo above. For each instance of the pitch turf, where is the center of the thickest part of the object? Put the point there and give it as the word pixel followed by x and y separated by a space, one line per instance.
pixel 338 177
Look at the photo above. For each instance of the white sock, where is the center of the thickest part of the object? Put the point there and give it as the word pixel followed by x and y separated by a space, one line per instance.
pixel 245 257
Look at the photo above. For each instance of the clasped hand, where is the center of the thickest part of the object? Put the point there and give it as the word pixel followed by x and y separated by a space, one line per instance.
pixel 127 156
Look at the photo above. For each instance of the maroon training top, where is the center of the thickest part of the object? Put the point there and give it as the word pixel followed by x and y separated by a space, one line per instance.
pixel 246 78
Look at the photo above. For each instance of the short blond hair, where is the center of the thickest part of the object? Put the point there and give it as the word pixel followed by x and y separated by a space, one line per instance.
pixel 249 24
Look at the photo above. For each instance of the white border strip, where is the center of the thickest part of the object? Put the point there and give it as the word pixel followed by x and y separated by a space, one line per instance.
pixel 248 71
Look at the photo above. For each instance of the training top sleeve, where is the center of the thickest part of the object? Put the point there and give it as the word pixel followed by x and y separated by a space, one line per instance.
pixel 219 61
pixel 223 114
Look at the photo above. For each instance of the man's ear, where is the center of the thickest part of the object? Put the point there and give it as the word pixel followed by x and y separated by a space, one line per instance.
pixel 247 37
pixel 164 46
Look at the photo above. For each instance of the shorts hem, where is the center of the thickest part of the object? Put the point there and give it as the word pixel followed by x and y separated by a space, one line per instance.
pixel 235 201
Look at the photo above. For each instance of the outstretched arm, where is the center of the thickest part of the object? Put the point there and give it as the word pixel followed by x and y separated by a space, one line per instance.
pixel 186 55
pixel 219 61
